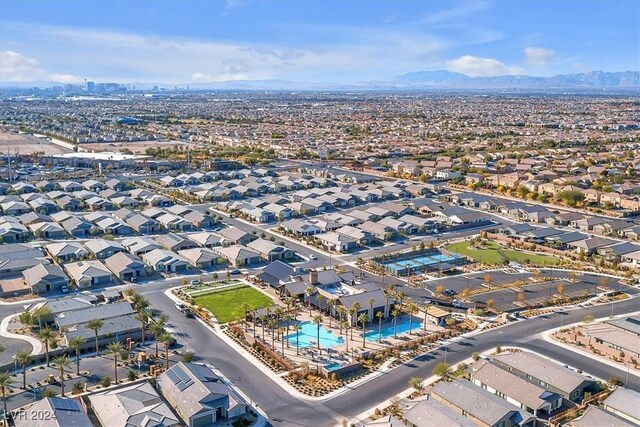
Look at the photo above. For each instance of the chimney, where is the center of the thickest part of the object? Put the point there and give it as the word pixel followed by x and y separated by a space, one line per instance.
pixel 313 277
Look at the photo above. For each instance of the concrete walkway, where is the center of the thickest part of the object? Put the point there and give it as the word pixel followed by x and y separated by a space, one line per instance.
pixel 4 332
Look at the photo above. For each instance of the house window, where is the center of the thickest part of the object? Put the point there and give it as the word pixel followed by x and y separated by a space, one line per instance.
pixel 500 424
pixel 543 384
pixel 575 394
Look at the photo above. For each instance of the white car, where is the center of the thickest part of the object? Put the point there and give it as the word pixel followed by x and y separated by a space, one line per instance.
pixel 180 306
pixel 194 282
pixel 312 256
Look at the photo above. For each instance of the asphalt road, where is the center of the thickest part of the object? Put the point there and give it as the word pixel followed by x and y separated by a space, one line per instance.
pixel 281 406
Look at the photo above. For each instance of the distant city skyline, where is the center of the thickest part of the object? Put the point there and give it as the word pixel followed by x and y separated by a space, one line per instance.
pixel 196 41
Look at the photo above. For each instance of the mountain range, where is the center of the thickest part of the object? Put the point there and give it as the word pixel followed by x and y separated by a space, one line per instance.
pixel 422 80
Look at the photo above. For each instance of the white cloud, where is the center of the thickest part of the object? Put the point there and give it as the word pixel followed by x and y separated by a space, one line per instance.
pixel 481 67
pixel 17 67
pixel 64 78
pixel 538 55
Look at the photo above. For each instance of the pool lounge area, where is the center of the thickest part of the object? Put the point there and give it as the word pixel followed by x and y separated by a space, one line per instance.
pixel 308 337
pixel 418 262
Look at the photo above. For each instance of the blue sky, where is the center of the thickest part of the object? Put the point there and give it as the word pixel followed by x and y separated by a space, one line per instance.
pixel 323 41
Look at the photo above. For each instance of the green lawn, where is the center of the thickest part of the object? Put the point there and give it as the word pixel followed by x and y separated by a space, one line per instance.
pixel 493 253
pixel 226 305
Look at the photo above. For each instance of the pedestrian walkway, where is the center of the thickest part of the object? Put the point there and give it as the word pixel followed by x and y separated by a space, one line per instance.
pixel 4 332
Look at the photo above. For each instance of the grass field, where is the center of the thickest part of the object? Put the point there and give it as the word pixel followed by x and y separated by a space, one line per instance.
pixel 226 305
pixel 493 253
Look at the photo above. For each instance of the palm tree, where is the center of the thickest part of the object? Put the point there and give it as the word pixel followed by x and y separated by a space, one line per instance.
pixel 75 343
pixel 143 318
pixel 23 359
pixel 371 302
pixel 318 321
pixel 425 308
pixel 341 311
pixel 245 307
pixel 395 313
pixel 166 339
pixel 345 325
pixel 287 318
pixel 95 325
pixel 5 382
pixel 352 313
pixel 46 335
pixel 138 302
pixel 115 349
pixel 411 308
pixel 309 290
pixel 379 315
pixel 273 323
pixel 331 303
pixel 281 333
pixel 387 296
pixel 62 362
pixel 296 329
pixel 363 318
pixel 157 329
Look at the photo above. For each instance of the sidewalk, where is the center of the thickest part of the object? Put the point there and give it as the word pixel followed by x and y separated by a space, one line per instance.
pixel 35 343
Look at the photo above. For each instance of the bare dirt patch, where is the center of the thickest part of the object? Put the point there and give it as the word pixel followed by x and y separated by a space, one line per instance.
pixel 28 144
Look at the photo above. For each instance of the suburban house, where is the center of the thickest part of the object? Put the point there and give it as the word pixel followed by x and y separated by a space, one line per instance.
pixel 236 236
pixel 140 245
pixel 44 278
pixel 525 395
pixel 61 412
pixel 198 395
pixel 102 248
pixel 206 239
pixel 165 261
pixel 67 251
pixel 200 257
pixel 426 412
pixel 134 405
pixel 623 402
pixel 125 266
pixel 479 405
pixel 270 251
pixel 548 375
pixel 238 256
pixel 333 241
pixel 174 242
pixel 89 273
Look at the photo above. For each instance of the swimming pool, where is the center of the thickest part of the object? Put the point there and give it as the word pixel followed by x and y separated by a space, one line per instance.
pixel 402 327
pixel 332 366
pixel 308 336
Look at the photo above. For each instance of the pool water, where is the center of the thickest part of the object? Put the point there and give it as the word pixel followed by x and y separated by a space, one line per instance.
pixel 402 327
pixel 332 366
pixel 308 336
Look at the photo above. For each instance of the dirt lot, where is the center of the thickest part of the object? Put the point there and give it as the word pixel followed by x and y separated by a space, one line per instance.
pixel 27 144
pixel 137 147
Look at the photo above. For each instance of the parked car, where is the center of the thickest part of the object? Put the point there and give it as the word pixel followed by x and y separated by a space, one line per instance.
pixel 312 256
pixel 180 306
pixel 194 282
pixel 188 314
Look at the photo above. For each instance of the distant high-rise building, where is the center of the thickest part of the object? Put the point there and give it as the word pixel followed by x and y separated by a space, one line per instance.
pixel 91 87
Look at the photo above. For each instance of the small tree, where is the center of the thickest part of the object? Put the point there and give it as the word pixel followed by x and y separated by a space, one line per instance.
pixel 475 356
pixel 416 384
pixel 588 318
pixel 442 369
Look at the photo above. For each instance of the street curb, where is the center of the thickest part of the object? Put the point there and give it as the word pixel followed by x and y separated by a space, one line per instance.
pixel 36 344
